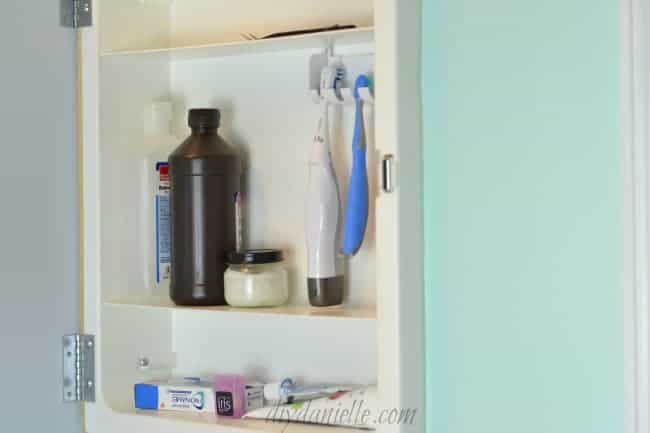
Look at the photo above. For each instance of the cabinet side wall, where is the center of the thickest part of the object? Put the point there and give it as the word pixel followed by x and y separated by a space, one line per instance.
pixel 399 215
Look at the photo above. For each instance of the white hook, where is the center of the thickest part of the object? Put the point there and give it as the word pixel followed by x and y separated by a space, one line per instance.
pixel 331 96
pixel 366 95
pixel 347 95
pixel 330 48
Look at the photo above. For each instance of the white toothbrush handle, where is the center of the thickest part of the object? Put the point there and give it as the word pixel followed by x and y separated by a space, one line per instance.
pixel 322 222
pixel 322 207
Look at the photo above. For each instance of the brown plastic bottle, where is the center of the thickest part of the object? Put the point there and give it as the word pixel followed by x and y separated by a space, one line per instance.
pixel 205 176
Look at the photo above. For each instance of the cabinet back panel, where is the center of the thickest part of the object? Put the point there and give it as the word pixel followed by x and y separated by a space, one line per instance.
pixel 131 334
pixel 151 24
pixel 268 115
pixel 269 348
pixel 208 21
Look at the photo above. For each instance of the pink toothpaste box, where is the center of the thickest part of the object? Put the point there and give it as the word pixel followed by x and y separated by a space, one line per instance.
pixel 234 397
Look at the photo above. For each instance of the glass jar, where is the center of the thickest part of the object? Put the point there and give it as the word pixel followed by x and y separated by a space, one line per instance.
pixel 256 278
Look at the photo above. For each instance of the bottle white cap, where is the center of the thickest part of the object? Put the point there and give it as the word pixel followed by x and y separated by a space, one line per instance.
pixel 277 392
pixel 272 392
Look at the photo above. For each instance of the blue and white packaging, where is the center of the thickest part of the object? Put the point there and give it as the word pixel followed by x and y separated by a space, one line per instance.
pixel 182 395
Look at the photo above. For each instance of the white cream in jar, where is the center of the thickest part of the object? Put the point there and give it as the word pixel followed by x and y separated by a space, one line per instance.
pixel 256 278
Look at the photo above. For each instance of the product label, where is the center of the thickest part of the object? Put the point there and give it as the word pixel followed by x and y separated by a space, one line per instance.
pixel 163 223
pixel 186 399
pixel 225 404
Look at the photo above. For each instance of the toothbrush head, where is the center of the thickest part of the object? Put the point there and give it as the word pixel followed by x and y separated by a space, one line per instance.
pixel 332 77
pixel 362 81
pixel 339 77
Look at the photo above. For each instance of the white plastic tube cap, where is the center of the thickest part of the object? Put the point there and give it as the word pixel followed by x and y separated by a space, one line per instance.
pixel 278 392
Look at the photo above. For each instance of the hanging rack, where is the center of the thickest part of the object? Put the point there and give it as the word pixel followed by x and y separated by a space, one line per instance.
pixel 341 96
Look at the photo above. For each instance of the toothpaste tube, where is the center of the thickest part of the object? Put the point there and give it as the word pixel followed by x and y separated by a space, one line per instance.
pixel 345 409
pixel 288 391
pixel 182 395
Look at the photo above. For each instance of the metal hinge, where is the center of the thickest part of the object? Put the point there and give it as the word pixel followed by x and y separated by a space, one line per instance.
pixel 76 13
pixel 79 368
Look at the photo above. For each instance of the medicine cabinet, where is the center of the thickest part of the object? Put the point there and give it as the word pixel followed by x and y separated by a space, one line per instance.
pixel 140 54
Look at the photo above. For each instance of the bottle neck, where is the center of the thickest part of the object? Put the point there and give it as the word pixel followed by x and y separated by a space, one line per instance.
pixel 201 130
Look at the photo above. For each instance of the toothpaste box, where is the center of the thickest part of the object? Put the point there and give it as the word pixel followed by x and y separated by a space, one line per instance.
pixel 182 395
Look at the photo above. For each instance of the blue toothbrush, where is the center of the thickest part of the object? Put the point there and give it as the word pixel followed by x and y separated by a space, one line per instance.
pixel 356 214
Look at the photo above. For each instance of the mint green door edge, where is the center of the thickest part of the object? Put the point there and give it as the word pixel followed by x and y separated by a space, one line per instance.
pixel 523 216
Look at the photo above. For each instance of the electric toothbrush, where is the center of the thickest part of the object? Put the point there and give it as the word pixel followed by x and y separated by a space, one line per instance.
pixel 324 271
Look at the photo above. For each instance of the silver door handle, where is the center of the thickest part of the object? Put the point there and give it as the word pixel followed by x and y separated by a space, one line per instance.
pixel 387 173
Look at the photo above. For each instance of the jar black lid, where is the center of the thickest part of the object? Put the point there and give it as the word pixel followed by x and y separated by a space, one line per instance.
pixel 204 118
pixel 255 257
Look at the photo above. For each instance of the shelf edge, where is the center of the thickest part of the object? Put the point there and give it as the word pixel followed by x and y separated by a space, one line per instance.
pixel 354 36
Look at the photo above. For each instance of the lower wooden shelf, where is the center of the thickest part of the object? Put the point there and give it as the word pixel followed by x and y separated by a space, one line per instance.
pixel 221 425
pixel 339 312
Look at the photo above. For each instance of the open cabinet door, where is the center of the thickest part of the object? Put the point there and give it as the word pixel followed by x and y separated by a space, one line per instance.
pixel 39 220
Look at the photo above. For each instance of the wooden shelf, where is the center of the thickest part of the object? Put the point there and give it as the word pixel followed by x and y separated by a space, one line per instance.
pixel 339 312
pixel 316 40
pixel 199 422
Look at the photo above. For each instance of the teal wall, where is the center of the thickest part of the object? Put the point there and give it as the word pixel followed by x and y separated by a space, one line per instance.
pixel 523 193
